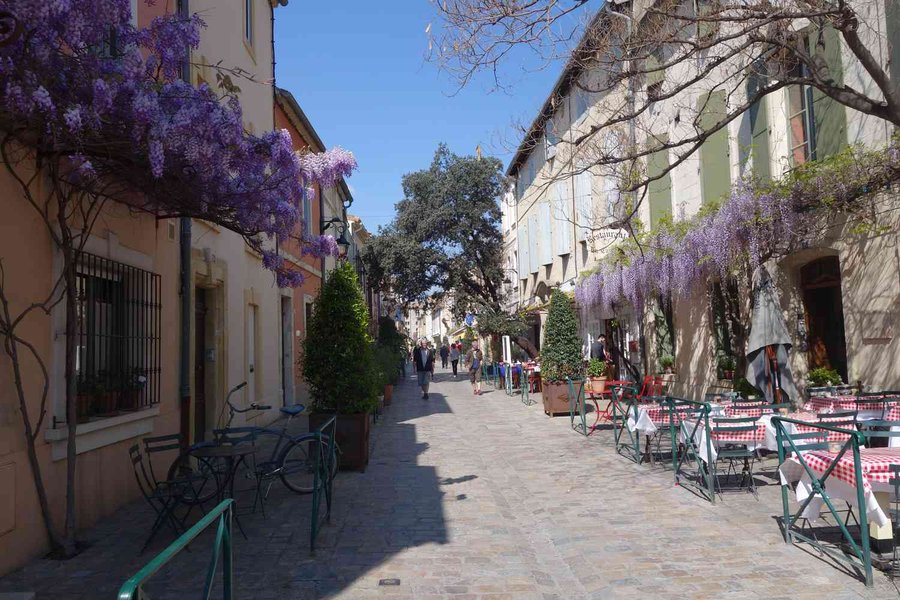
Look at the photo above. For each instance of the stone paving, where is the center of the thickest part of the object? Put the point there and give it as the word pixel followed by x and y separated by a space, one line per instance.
pixel 481 497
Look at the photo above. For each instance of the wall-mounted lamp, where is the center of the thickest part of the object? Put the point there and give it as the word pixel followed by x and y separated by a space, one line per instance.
pixel 342 241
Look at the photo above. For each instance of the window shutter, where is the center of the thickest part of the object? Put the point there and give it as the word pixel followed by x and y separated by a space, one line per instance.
pixel 522 240
pixel 829 116
pixel 892 17
pixel 659 190
pixel 544 225
pixel 562 217
pixel 757 149
pixel 715 166
pixel 532 243
pixel 307 214
pixel 583 204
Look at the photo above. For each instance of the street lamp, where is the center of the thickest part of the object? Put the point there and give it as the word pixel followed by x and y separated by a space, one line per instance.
pixel 342 241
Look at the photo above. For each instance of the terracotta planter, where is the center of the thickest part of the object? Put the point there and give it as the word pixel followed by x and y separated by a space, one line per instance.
pixel 129 399
pixel 598 385
pixel 729 375
pixel 352 435
pixel 388 394
pixel 556 397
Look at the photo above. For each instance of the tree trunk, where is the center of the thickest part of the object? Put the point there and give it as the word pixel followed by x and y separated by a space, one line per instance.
pixel 71 287
pixel 525 344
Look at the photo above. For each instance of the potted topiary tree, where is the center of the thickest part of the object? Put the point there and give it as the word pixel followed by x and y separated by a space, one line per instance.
pixel 726 365
pixel 561 356
pixel 666 361
pixel 339 365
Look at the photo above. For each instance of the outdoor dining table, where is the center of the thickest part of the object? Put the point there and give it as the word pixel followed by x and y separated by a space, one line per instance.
pixel 869 411
pixel 874 466
pixel 232 455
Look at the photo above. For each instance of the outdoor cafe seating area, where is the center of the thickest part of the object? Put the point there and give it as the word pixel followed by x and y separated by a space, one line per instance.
pixel 830 453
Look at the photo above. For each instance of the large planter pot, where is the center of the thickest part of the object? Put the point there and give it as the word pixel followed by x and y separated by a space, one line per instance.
pixel 83 408
pixel 388 394
pixel 556 397
pixel 598 385
pixel 351 435
pixel 106 403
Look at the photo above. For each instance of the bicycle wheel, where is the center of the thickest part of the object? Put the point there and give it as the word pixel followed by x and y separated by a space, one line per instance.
pixel 201 476
pixel 298 463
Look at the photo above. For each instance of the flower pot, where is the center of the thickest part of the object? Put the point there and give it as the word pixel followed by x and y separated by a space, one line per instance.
pixel 129 399
pixel 598 385
pixel 106 403
pixel 556 397
pixel 351 435
pixel 729 375
pixel 388 394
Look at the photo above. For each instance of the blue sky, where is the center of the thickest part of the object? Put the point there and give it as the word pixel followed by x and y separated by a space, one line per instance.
pixel 358 70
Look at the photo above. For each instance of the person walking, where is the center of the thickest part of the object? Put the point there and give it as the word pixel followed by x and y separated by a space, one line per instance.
pixel 445 352
pixel 473 358
pixel 423 359
pixel 601 353
pixel 454 357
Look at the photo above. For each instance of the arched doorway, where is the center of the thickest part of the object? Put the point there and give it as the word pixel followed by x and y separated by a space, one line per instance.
pixel 820 281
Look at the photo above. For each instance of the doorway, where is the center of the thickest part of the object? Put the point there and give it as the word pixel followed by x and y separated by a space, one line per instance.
pixel 200 311
pixel 823 305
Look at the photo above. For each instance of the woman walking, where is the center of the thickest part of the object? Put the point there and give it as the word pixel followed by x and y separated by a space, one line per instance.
pixel 454 357
pixel 473 358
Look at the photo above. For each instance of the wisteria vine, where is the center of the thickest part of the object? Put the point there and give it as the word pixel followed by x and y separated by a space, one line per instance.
pixel 81 86
pixel 759 220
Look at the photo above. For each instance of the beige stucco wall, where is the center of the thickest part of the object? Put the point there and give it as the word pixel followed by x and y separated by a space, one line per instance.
pixel 104 478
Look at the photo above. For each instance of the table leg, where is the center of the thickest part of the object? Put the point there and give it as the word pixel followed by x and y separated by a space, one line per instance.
pixel 596 412
pixel 881 538
pixel 233 467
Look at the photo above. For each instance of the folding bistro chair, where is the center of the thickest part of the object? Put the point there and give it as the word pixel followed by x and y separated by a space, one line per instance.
pixel 199 474
pixel 162 496
pixel 894 482
pixel 733 450
pixel 262 472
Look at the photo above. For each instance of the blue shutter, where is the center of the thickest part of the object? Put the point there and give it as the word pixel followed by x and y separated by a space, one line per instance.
pixel 522 240
pixel 583 205
pixel 532 243
pixel 562 219
pixel 545 225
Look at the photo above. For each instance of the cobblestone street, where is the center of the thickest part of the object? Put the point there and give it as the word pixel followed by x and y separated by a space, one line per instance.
pixel 482 497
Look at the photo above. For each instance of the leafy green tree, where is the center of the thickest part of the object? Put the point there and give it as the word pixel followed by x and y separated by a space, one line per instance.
pixel 446 239
pixel 561 355
pixel 338 359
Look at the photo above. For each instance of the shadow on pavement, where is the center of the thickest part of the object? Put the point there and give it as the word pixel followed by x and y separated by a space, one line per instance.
pixel 396 504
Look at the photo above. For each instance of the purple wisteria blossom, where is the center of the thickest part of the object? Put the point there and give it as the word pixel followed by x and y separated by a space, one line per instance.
pixel 81 80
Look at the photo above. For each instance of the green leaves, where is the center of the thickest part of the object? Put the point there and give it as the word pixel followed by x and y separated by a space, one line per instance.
pixel 338 361
pixel 561 355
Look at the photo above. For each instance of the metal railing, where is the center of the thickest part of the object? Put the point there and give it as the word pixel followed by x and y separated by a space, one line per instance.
pixel 577 416
pixel 221 514
pixel 323 477
pixel 690 431
pixel 624 406
pixel 860 551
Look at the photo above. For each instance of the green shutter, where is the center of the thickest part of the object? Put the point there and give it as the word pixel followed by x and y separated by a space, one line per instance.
pixel 759 129
pixel 829 116
pixel 715 166
pixel 659 190
pixel 892 16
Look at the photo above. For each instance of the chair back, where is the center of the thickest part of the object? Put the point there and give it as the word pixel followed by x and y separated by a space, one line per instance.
pixel 734 424
pixel 805 442
pixel 146 484
pixel 841 418
pixel 160 443
pixel 775 407
pixel 880 429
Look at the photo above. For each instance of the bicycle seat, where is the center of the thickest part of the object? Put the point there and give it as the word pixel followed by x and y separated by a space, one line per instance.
pixel 293 410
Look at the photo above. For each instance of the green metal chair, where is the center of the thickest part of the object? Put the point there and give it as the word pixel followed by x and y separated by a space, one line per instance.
pixel 524 385
pixel 624 405
pixel 894 482
pixel 878 430
pixel 734 452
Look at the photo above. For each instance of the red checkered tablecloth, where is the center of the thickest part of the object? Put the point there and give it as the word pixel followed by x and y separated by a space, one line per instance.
pixel 758 435
pixel 821 404
pixel 741 411
pixel 874 464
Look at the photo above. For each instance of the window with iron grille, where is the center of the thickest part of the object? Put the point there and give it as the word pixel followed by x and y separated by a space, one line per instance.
pixel 118 349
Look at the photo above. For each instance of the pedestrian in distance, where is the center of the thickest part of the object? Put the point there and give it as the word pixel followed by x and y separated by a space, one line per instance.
pixel 423 359
pixel 601 353
pixel 473 358
pixel 454 357
pixel 445 352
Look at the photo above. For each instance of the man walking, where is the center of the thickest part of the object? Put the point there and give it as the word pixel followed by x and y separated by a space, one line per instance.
pixel 473 358
pixel 600 352
pixel 423 359
pixel 444 353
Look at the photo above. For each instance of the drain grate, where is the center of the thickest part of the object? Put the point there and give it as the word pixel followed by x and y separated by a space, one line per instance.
pixel 391 581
